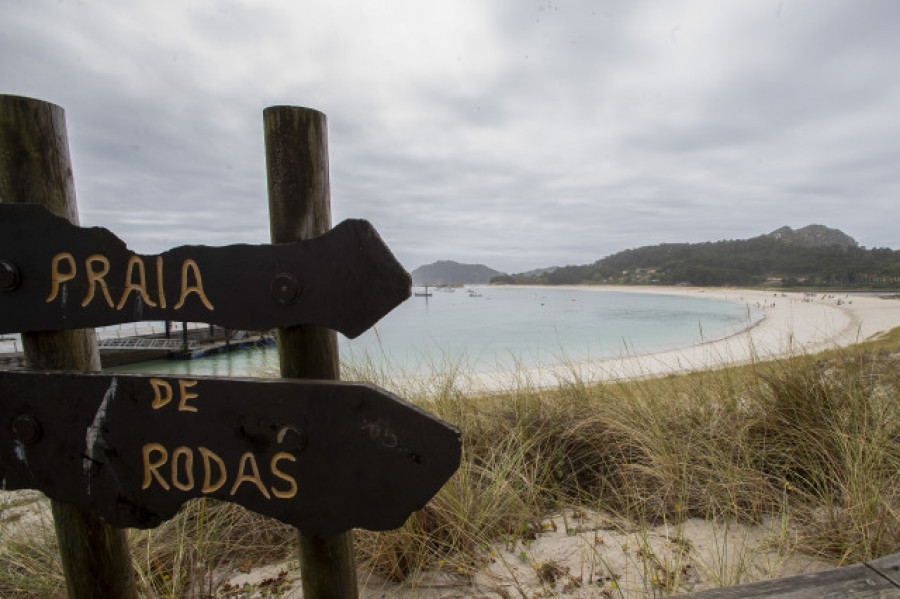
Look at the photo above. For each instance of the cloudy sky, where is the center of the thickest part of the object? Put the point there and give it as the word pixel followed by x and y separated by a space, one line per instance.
pixel 514 133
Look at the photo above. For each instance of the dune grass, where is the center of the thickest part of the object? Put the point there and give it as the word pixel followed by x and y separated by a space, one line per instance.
pixel 811 444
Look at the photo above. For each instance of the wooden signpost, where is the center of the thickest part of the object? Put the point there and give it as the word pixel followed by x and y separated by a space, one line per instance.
pixel 75 277
pixel 322 455
pixel 35 168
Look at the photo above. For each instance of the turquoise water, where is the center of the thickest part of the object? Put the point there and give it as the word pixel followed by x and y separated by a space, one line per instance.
pixel 488 329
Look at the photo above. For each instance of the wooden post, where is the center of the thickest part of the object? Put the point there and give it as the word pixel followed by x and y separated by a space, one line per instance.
pixel 35 168
pixel 299 209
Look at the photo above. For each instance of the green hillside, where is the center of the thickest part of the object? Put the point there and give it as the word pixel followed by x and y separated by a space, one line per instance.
pixel 813 256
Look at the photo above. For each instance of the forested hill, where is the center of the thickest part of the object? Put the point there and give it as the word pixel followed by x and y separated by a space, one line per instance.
pixel 812 256
pixel 448 272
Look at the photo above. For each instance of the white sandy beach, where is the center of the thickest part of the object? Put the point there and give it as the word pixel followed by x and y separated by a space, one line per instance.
pixel 794 323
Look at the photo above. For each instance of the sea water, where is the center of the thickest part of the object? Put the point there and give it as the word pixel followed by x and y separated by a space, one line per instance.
pixel 483 329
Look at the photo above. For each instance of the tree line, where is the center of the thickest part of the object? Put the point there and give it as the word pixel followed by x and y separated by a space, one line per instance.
pixel 755 261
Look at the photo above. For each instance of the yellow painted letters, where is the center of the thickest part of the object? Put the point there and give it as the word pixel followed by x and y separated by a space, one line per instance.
pixel 188 289
pixel 185 396
pixel 95 277
pixel 273 466
pixel 130 285
pixel 162 393
pixel 97 274
pixel 188 468
pixel 57 277
pixel 207 471
pixel 159 282
pixel 182 476
pixel 180 467
pixel 151 468
pixel 243 477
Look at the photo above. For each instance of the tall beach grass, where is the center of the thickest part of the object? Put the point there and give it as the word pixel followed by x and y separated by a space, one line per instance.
pixel 806 448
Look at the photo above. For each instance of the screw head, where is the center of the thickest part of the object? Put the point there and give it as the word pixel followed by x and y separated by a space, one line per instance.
pixel 285 288
pixel 9 275
pixel 27 429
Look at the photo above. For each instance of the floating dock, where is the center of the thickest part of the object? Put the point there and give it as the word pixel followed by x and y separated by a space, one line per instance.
pixel 126 346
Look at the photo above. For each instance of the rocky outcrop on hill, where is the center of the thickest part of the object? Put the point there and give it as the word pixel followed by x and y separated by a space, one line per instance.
pixel 814 236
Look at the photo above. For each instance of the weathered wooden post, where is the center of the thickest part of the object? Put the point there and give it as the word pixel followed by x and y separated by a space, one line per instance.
pixel 299 209
pixel 322 455
pixel 35 168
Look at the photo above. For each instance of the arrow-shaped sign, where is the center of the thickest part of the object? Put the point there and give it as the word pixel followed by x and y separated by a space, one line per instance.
pixel 322 456
pixel 54 275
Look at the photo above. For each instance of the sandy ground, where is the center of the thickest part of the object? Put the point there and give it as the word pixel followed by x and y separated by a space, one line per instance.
pixel 585 555
pixel 794 323
pixel 574 555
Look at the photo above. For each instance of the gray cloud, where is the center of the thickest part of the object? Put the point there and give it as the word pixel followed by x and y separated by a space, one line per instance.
pixel 514 134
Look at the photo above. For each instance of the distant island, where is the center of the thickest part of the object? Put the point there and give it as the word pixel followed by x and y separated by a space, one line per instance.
pixel 448 272
pixel 814 256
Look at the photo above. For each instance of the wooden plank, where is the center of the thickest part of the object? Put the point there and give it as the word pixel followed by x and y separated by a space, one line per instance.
pixel 54 275
pixel 857 581
pixel 35 167
pixel 324 456
pixel 888 566
pixel 296 142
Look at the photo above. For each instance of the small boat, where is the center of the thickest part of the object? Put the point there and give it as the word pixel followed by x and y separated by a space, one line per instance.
pixel 426 293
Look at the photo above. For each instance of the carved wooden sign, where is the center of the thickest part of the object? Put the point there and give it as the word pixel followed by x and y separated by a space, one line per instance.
pixel 322 456
pixel 54 275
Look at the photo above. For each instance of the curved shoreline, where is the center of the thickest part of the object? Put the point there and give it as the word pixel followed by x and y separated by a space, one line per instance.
pixel 793 323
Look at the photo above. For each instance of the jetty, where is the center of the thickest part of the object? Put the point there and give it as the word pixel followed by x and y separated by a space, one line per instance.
pixel 142 342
